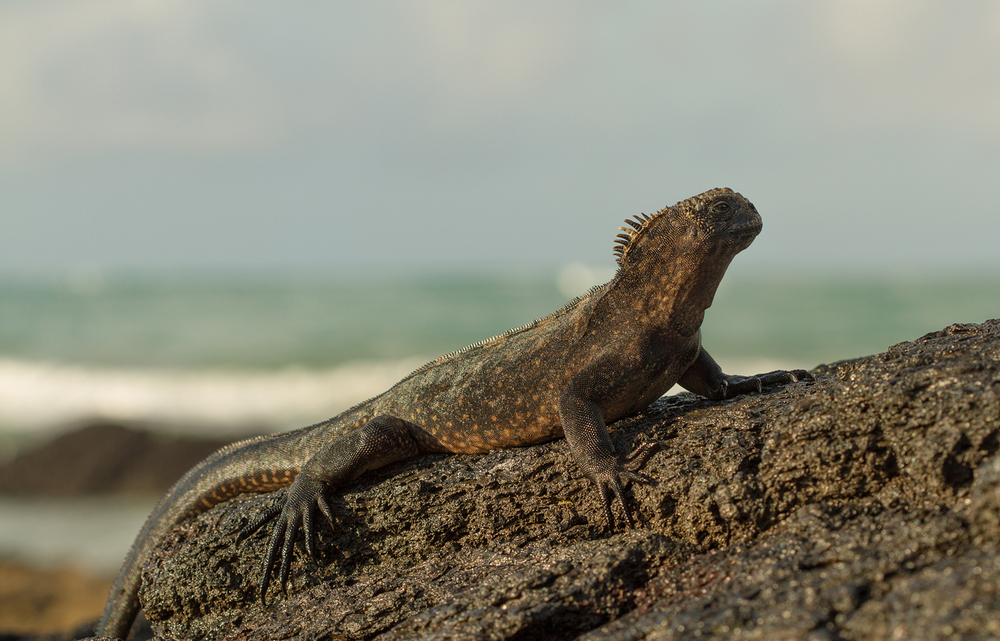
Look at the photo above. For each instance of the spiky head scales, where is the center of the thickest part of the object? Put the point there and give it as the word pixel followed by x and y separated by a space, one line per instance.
pixel 704 211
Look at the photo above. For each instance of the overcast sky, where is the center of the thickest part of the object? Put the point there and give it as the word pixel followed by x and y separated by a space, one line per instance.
pixel 192 134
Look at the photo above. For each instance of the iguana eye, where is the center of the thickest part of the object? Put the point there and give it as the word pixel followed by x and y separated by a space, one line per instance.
pixel 721 207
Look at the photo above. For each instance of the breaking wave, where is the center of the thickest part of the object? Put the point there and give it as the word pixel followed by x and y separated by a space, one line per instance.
pixel 40 396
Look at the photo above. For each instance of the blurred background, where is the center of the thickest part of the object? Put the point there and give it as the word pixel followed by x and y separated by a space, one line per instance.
pixel 220 218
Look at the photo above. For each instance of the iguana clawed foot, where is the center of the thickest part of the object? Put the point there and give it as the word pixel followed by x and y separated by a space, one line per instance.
pixel 298 510
pixel 611 483
pixel 732 386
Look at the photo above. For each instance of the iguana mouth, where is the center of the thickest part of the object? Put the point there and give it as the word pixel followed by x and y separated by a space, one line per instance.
pixel 748 227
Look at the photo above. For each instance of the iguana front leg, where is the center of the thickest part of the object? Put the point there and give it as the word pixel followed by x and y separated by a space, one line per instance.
pixel 705 377
pixel 381 441
pixel 590 444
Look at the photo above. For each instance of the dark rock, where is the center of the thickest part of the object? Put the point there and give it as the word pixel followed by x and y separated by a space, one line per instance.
pixel 104 458
pixel 863 505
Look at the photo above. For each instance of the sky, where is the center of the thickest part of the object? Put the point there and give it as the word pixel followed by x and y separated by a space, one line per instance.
pixel 347 138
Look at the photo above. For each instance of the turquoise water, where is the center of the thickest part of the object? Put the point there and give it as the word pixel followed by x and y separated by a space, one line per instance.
pixel 268 323
pixel 242 323
pixel 243 353
pixel 817 320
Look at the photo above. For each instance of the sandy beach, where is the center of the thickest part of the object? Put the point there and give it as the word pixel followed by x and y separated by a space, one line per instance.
pixel 39 600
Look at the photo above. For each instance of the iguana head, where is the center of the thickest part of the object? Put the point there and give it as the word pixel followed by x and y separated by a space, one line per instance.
pixel 671 263
pixel 719 222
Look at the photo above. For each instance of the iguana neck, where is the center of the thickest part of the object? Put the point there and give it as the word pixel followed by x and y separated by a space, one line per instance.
pixel 670 296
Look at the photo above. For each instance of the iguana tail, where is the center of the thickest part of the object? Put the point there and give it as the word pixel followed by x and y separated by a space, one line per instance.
pixel 260 464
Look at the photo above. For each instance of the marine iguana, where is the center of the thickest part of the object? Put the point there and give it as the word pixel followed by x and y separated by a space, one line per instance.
pixel 604 356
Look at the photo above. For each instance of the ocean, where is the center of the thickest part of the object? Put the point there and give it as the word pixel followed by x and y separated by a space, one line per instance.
pixel 233 355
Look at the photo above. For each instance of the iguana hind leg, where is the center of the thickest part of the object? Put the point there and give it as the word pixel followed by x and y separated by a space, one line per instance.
pixel 381 441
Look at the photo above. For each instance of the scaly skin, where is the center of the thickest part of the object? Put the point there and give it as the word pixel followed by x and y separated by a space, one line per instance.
pixel 602 357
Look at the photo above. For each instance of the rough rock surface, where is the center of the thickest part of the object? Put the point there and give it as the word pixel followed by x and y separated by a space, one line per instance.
pixel 864 505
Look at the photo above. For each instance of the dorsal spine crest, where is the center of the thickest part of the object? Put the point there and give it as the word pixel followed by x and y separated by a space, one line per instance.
pixel 637 225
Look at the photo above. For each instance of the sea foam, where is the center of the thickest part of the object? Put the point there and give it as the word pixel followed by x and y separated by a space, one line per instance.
pixel 39 396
